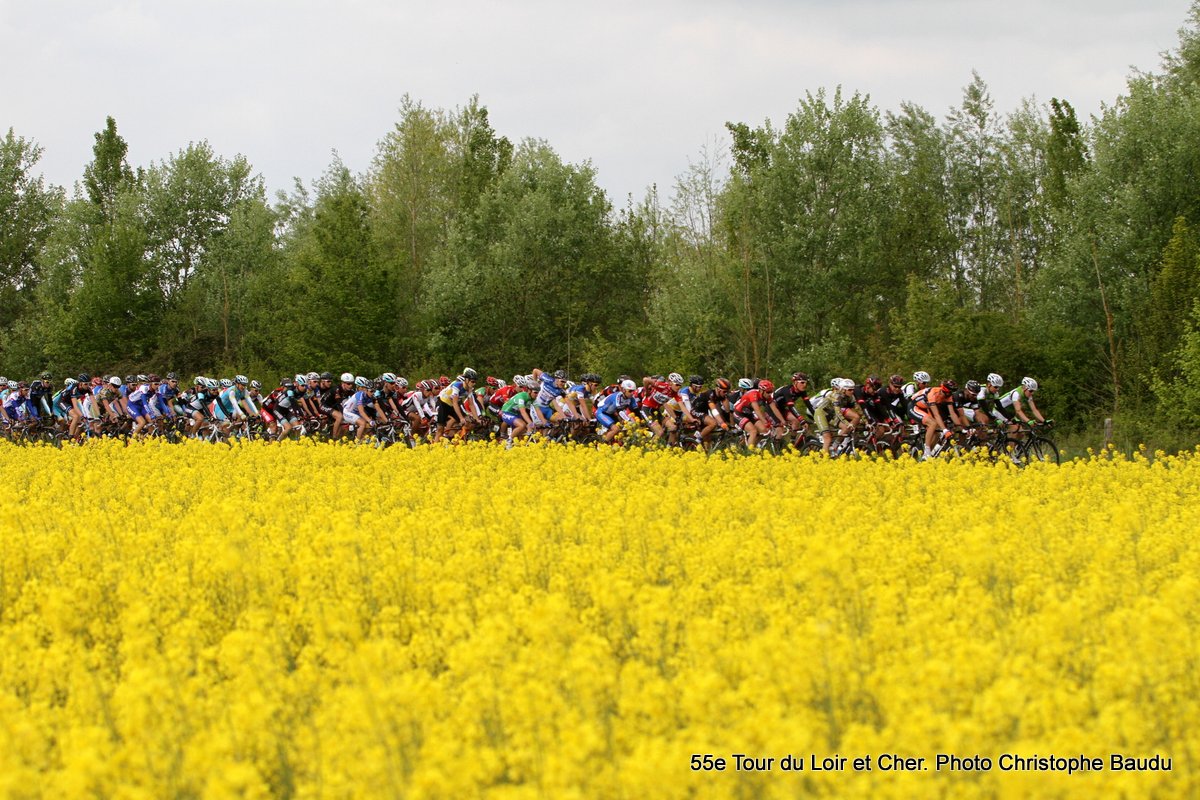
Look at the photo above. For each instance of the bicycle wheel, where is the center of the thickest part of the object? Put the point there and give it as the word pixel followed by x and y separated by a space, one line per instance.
pixel 1041 449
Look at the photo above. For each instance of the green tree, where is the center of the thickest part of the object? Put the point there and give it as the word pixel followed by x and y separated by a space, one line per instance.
pixel 27 211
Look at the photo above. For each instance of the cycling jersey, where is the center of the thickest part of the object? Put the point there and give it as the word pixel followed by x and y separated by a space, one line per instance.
pixel 548 392
pixel 517 402
pixel 19 407
pixel 745 405
pixel 658 395
pixel 702 405
pixel 614 406
pixel 451 392
pixel 1006 407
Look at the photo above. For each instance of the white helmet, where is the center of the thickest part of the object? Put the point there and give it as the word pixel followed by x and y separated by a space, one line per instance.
pixel 1030 384
pixel 388 377
pixel 347 377
pixel 675 377
pixel 114 381
pixel 921 376
pixel 301 381
pixel 402 382
pixel 745 384
pixel 226 383
pixel 210 384
pixel 628 386
pixel 846 384
pixel 69 382
pixel 994 380
pixel 362 382
pixel 313 377
pixel 243 380
pixel 500 384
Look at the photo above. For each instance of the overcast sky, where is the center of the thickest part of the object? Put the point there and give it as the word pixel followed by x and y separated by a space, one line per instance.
pixel 637 87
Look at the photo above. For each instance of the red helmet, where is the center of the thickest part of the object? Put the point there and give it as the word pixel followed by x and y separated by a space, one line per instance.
pixel 443 381
pixel 765 386
pixel 492 382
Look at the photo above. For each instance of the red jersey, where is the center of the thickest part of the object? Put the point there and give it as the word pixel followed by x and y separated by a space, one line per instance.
pixel 658 395
pixel 746 404
pixel 502 395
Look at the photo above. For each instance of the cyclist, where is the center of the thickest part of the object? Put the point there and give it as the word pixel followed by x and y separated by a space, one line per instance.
pixel 1012 405
pixel 617 409
pixel 757 413
pixel 657 395
pixel 281 408
pixel 514 413
pixel 712 409
pixel 453 411
pixel 936 411
pixel 357 409
pixel 17 406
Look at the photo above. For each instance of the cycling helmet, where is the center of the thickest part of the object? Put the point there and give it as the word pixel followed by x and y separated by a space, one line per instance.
pixel 695 380
pixel 745 384
pixel 873 381
pixel 365 383
pixel 492 382
pixel 46 376
pixel 628 386
pixel 313 377
pixel 675 378
pixel 765 386
pixel 143 378
pixel 255 385
pixel 896 380
pixel 560 375
pixel 12 385
pixel 36 385
pixel 470 374
pixel 301 381
pixel 226 383
pixel 211 384
pixel 800 376
pixel 388 377
pixel 443 381
pixel 402 383
pixel 3 381
pixel 153 377
pixel 972 387
pixel 171 376
pixel 22 385
pixel 995 381
pixel 950 385
pixel 84 377
pixel 242 380
pixel 326 376
pixel 197 381
pixel 517 379
pixel 69 382
pixel 500 383
pixel 921 376
pixel 847 384
pixel 114 380
pixel 722 383
pixel 131 379
pixel 347 377
pixel 1030 384
pixel 288 383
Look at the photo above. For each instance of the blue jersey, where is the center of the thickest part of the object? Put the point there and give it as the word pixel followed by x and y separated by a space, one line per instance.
pixel 615 403
pixel 19 407
pixel 549 392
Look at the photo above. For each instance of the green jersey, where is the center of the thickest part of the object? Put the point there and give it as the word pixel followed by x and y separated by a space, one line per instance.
pixel 517 402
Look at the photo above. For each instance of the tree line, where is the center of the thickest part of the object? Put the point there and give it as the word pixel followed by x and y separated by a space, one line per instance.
pixel 844 240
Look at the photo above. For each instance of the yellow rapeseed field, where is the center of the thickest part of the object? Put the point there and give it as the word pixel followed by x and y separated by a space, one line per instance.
pixel 325 621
